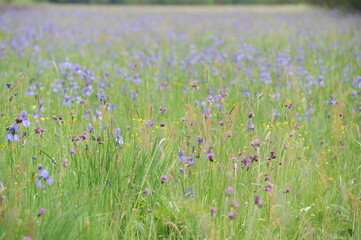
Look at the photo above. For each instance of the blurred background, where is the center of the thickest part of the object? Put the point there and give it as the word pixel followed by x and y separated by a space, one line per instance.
pixel 345 4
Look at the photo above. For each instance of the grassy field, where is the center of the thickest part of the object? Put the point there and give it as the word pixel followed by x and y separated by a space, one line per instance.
pixel 180 123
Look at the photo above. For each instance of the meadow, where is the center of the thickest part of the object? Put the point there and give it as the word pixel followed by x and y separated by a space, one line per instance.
pixel 180 122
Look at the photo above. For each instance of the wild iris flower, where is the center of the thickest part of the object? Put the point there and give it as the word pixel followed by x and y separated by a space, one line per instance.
pixel 25 121
pixel 13 134
pixel 118 138
pixel 43 175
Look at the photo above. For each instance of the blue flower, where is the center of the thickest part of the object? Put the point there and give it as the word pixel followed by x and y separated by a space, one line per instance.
pixel 13 135
pixel 118 138
pixel 43 175
pixel 26 122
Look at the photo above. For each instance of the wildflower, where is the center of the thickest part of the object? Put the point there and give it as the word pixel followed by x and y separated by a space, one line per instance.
pixel 41 212
pixel 181 169
pixel 199 140
pixel 182 156
pixel 268 178
pixel 288 190
pixel 221 123
pixel 149 123
pixel 162 109
pixel 89 129
pixel 251 115
pixel 188 193
pixel 235 204
pixel 13 135
pixel 256 143
pixel 43 174
pixel 27 238
pixel 146 191
pixel 250 125
pixel 163 178
pixel 257 200
pixel 118 138
pixel 269 187
pixel 213 211
pixel 40 130
pixel 228 134
pixel 229 190
pixel 210 156
pixel 72 151
pixel 232 215
pixel 162 124
pixel 25 120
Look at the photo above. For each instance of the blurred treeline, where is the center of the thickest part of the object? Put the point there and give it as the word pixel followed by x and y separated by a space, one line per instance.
pixel 355 4
pixel 324 3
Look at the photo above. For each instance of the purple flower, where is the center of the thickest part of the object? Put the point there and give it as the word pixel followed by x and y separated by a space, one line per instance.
pixel 181 169
pixel 210 156
pixel 89 129
pixel 146 191
pixel 13 135
pixel 269 187
pixel 232 215
pixel 27 238
pixel 288 190
pixel 163 178
pixel 118 138
pixel 188 193
pixel 41 212
pixel 257 200
pixel 213 211
pixel 43 175
pixel 25 121
pixel 235 204
pixel 229 190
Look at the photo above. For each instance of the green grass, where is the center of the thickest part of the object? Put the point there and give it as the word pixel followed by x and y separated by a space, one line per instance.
pixel 99 195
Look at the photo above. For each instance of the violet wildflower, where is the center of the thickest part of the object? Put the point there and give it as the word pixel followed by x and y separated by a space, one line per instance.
pixel 163 178
pixel 25 119
pixel 268 178
pixel 89 129
pixel 162 109
pixel 250 125
pixel 13 134
pixel 181 169
pixel 288 190
pixel 213 211
pixel 162 124
pixel 43 174
pixel 182 156
pixel 210 156
pixel 235 204
pixel 199 140
pixel 149 123
pixel 118 138
pixel 257 200
pixel 72 151
pixel 188 193
pixel 251 115
pixel 146 191
pixel 41 212
pixel 229 190
pixel 256 143
pixel 269 187
pixel 27 238
pixel 232 215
